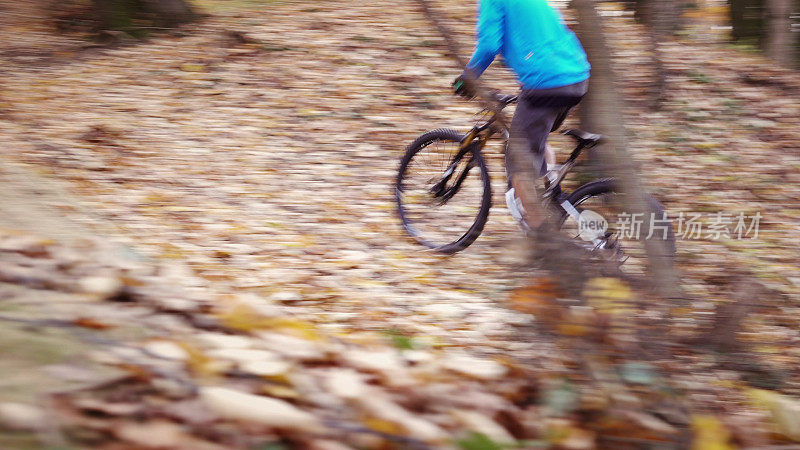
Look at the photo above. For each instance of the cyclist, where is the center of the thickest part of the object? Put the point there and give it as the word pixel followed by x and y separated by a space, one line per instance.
pixel 552 68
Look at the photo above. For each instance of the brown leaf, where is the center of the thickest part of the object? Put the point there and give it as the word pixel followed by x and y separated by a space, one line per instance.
pixel 92 323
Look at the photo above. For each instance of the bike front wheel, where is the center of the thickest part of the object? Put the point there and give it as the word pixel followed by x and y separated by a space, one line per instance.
pixel 443 192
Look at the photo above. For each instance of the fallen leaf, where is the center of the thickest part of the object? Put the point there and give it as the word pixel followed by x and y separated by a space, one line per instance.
pixel 236 405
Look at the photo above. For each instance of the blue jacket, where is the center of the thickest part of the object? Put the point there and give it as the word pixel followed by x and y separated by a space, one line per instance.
pixel 534 42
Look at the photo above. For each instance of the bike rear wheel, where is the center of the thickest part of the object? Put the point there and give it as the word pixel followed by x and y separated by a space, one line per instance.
pixel 624 236
pixel 443 194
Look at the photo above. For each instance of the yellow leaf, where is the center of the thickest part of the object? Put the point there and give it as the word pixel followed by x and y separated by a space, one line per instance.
pixel 577 321
pixel 274 390
pixel 199 363
pixel 608 295
pixel 710 434
pixel 301 328
pixel 244 318
pixel 193 68
pixel 565 434
pixel 383 426
pixel 784 411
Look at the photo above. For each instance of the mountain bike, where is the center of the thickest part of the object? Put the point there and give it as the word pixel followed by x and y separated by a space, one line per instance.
pixel 444 194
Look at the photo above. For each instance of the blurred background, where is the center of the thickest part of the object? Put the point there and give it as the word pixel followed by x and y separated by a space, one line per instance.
pixel 199 246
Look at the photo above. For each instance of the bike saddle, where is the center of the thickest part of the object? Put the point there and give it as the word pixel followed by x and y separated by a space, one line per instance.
pixel 584 138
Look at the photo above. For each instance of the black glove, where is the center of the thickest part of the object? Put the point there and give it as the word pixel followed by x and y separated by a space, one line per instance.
pixel 460 88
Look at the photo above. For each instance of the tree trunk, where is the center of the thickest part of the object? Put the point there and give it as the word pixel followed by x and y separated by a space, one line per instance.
pixel 665 15
pixel 780 41
pixel 606 108
pixel 170 13
pixel 737 19
pixel 662 17
pixel 746 19
pixel 127 15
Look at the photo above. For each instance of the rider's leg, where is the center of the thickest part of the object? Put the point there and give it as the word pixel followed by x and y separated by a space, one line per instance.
pixel 538 113
pixel 526 159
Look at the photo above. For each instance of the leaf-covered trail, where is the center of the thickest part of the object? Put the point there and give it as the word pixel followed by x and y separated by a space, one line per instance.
pixel 257 173
pixel 277 138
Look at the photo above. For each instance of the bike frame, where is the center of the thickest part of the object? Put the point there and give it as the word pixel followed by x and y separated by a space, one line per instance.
pixel 477 138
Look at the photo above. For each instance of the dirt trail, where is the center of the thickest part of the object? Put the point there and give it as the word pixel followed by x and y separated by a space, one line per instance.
pixel 258 174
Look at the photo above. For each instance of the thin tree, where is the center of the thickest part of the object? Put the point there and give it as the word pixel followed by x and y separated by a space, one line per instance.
pixel 662 18
pixel 606 109
pixel 779 40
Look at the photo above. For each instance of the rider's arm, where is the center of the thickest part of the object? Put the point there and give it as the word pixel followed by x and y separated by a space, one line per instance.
pixel 490 36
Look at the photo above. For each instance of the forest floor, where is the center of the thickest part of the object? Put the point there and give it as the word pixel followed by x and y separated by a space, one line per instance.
pixel 200 250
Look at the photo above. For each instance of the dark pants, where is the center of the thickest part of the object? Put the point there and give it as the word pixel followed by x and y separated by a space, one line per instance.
pixel 540 112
